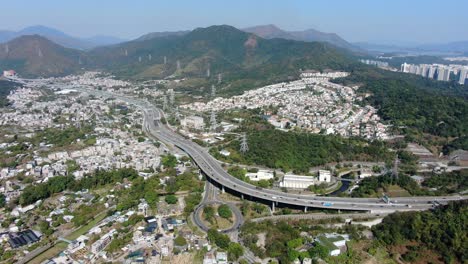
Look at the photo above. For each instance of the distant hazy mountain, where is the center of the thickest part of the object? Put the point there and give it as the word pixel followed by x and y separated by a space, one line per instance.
pixel 153 35
pixel 102 40
pixel 451 47
pixel 34 55
pixel 59 37
pixel 458 46
pixel 309 35
pixel 6 35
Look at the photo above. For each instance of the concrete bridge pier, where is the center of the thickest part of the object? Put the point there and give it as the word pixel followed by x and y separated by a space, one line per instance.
pixel 222 189
pixel 273 206
pixel 242 196
pixel 305 209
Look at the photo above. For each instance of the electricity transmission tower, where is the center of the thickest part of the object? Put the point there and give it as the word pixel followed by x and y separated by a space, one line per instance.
pixel 77 120
pixel 220 78
pixel 177 114
pixel 213 91
pixel 213 121
pixel 178 65
pixel 171 97
pixel 243 145
pixel 164 102
pixel 395 168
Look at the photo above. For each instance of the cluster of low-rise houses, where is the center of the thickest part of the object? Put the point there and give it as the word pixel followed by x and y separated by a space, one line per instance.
pixel 312 103
pixel 113 148
pixel 96 79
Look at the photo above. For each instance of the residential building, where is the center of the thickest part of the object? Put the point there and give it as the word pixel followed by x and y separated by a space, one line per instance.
pixel 463 73
pixel 334 242
pixel 9 73
pixel 221 257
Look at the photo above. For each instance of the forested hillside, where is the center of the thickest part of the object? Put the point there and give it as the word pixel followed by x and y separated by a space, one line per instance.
pixel 5 88
pixel 442 230
pixel 438 108
pixel 245 61
pixel 299 151
pixel 33 56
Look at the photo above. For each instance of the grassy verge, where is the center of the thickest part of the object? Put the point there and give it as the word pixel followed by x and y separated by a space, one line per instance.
pixel 50 253
pixel 60 246
pixel 82 230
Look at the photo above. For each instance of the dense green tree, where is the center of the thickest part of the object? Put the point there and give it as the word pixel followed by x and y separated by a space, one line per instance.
pixel 45 228
pixel 209 213
pixel 2 200
pixel 191 201
pixel 169 161
pixel 224 211
pixel 33 193
pixel 411 101
pixel 5 88
pixel 235 251
pixel 170 199
pixel 300 151
pixel 318 251
pixel 180 241
pixel 221 240
pixel 442 229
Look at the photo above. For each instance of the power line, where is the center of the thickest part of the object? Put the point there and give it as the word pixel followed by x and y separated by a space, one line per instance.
pixel 213 121
pixel 171 97
pixel 244 147
pixel 164 102
pixel 213 91
pixel 395 167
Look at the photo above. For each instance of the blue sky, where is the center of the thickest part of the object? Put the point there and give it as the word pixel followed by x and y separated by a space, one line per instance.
pixel 380 21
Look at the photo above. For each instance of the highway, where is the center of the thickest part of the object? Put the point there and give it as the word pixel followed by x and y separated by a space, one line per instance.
pixel 155 128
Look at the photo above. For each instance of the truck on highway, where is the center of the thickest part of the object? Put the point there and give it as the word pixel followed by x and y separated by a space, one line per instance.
pixel 327 204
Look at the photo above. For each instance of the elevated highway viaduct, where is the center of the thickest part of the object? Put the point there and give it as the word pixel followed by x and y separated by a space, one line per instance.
pixel 212 169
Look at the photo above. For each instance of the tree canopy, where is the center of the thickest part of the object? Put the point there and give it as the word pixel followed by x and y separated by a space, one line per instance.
pixel 442 229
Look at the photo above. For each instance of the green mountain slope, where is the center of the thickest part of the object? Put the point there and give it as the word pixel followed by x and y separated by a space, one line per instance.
pixel 237 55
pixel 34 56
pixel 413 102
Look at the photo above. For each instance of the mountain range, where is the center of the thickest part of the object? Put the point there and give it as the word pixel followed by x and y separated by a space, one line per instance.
pixel 34 55
pixel 272 31
pixel 60 37
pixel 244 59
pixel 309 35
pixel 450 47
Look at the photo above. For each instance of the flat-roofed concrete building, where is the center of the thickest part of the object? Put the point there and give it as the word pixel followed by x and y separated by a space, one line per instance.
pixel 324 176
pixel 195 122
pixel 297 181
pixel 260 175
